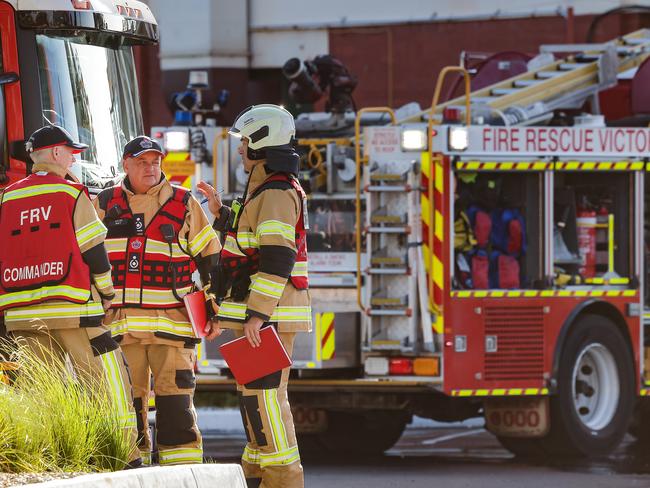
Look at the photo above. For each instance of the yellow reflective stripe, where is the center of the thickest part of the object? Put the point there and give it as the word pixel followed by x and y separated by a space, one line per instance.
pixel 89 232
pixel 151 324
pixel 149 296
pixel 116 387
pixel 251 456
pixel 287 456
pixel 232 247
pixel 201 240
pixel 182 455
pixel 274 415
pixel 237 311
pixel 275 227
pixel 231 310
pixel 103 280
pixel 115 244
pixel 299 268
pixel 37 190
pixel 267 287
pixel 163 297
pixel 146 457
pixel 44 293
pixel 291 314
pixel 247 239
pixel 56 311
pixel 159 247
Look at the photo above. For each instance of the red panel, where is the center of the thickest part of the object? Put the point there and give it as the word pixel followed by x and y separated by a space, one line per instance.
pixel 615 102
pixel 523 357
pixel 12 92
pixel 640 94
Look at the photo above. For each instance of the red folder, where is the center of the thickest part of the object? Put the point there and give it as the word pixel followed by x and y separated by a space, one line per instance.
pixel 249 363
pixel 195 305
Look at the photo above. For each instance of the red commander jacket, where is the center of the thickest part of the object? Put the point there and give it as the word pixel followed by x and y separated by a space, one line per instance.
pixel 52 247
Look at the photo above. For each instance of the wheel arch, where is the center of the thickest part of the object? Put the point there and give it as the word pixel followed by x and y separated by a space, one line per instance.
pixel 595 307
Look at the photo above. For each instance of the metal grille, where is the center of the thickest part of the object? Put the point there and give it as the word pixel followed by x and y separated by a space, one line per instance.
pixel 520 343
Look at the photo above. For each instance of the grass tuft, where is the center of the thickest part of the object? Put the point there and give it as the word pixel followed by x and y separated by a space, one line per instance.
pixel 52 419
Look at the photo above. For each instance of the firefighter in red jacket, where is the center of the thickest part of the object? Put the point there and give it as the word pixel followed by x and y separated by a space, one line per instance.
pixel 55 277
pixel 158 235
pixel 263 280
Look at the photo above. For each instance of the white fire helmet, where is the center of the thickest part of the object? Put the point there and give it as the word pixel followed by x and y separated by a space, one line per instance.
pixel 264 126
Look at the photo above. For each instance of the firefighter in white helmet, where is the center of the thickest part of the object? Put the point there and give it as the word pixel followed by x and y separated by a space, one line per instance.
pixel 263 281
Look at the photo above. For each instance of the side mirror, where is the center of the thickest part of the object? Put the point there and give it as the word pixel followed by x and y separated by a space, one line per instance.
pixel 9 77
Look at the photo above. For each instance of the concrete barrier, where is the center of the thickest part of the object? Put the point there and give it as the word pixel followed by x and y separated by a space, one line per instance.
pixel 184 476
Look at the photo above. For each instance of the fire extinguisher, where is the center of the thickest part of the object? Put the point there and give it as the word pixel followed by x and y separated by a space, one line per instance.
pixel 586 222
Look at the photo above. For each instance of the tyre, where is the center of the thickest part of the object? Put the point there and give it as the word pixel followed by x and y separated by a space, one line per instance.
pixel 352 433
pixel 595 396
pixel 639 426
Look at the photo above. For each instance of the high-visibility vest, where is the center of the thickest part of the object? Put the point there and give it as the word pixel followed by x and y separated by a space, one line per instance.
pixel 233 264
pixel 151 268
pixel 40 258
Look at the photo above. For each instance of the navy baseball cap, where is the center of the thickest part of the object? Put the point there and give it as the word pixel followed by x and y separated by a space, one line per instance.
pixel 140 145
pixel 51 136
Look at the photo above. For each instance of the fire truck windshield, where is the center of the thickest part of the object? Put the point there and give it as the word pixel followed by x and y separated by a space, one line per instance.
pixel 91 90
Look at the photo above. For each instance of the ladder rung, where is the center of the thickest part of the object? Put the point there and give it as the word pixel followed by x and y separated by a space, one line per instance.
pixel 388 271
pixel 386 344
pixel 503 91
pixel 587 58
pixel 375 176
pixel 545 75
pixel 483 99
pixel 387 219
pixel 525 83
pixel 388 188
pixel 391 313
pixel 569 66
pixel 635 41
pixel 389 230
pixel 387 260
pixel 388 302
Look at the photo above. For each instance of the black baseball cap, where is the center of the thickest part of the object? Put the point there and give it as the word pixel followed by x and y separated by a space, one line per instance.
pixel 140 145
pixel 51 136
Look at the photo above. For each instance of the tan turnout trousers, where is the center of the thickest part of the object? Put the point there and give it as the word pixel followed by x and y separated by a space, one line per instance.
pixel 271 458
pixel 177 435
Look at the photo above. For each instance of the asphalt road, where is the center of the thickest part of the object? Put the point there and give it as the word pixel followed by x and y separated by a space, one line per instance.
pixel 431 454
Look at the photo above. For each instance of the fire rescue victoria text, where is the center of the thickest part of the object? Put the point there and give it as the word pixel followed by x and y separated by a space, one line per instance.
pixel 538 140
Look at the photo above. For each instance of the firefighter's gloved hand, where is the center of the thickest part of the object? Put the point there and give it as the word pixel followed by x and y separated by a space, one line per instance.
pixel 213 330
pixel 252 331
pixel 214 200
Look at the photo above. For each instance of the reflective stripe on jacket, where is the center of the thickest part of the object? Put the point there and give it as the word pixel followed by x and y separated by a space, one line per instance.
pixel 40 259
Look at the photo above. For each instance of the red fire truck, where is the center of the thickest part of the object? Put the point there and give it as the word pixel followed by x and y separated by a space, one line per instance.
pixel 70 63
pixel 484 257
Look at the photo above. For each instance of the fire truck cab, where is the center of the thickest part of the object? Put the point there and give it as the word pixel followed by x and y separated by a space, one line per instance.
pixel 70 63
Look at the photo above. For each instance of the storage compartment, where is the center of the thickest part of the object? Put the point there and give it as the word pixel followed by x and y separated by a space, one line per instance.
pixel 497 229
pixel 593 217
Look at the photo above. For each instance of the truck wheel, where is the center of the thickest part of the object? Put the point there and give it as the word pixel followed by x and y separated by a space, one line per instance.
pixel 595 392
pixel 368 433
